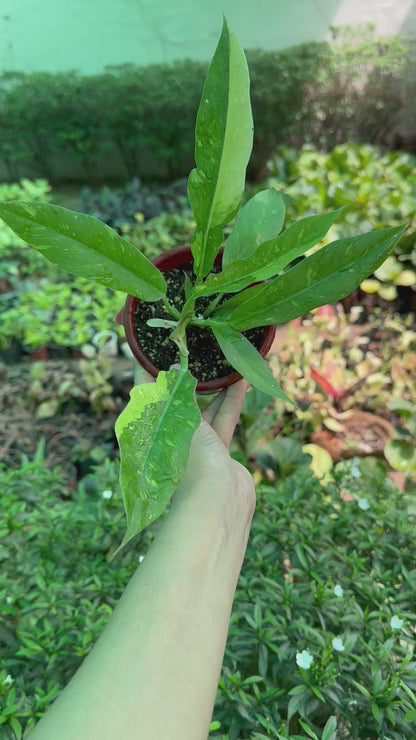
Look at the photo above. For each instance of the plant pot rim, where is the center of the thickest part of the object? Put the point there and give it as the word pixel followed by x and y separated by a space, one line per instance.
pixel 166 261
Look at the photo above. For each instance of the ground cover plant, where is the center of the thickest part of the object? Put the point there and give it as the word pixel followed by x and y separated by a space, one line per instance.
pixel 254 267
pixel 323 626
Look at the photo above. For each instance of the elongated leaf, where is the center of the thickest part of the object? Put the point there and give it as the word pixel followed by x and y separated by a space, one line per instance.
pixel 223 142
pixel 154 433
pixel 326 276
pixel 260 220
pixel 272 256
pixel 84 246
pixel 329 731
pixel 244 358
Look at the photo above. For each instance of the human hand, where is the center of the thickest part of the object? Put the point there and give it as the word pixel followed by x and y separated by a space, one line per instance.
pixel 212 477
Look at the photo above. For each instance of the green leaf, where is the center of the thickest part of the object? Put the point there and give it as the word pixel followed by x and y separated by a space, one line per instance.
pixel 329 731
pixel 244 358
pixel 308 730
pixel 84 246
pixel 16 727
pixel 362 689
pixel 402 407
pixel 400 454
pixel 376 712
pixel 214 726
pixel 270 257
pixel 410 716
pixel 154 433
pixel 223 142
pixel 260 220
pixel 326 276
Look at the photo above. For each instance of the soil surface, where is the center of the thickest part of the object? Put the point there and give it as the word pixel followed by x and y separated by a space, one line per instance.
pixel 79 433
pixel 206 360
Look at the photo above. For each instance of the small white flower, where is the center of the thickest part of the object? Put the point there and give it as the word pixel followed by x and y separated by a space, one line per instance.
pixel 141 558
pixel 338 645
pixel 107 493
pixel 338 590
pixel 8 680
pixel 363 504
pixel 304 659
pixel 396 623
pixel 355 470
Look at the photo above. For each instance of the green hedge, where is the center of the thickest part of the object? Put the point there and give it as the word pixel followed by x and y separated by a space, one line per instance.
pixel 324 93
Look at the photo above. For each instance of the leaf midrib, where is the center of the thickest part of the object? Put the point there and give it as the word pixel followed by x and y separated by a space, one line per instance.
pixel 300 292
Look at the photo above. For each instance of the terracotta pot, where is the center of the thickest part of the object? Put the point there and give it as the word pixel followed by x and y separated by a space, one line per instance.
pixel 167 261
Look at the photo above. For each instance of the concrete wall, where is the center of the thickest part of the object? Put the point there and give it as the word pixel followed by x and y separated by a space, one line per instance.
pixel 87 35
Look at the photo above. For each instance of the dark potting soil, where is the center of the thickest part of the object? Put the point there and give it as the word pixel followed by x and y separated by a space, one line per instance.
pixel 206 360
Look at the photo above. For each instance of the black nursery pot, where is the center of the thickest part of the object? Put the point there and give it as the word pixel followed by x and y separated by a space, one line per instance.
pixel 155 352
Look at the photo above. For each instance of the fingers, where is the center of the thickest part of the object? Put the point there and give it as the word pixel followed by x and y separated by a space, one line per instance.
pixel 224 411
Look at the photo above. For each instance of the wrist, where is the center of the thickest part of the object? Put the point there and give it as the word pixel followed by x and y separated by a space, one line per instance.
pixel 225 501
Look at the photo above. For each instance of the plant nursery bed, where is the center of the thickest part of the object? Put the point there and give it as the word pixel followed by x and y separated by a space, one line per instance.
pixel 69 408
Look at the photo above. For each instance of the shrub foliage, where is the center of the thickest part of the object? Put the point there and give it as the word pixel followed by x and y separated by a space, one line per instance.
pixel 351 89
pixel 324 577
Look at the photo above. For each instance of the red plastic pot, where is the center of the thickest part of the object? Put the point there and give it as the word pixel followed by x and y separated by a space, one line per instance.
pixel 167 261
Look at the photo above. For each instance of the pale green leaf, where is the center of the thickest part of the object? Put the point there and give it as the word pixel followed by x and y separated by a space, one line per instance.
pixel 223 142
pixel 260 220
pixel 308 730
pixel 326 276
pixel 402 407
pixel 84 246
pixel 400 454
pixel 329 731
pixel 154 433
pixel 270 257
pixel 244 358
pixel 406 278
pixel 321 464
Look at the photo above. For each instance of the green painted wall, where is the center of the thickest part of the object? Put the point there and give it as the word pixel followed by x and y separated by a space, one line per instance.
pixel 86 35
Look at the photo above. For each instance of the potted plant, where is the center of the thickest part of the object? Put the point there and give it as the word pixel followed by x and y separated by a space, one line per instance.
pixel 254 267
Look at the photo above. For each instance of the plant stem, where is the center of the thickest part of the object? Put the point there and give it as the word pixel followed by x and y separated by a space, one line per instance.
pixel 171 309
pixel 178 336
pixel 207 322
pixel 214 303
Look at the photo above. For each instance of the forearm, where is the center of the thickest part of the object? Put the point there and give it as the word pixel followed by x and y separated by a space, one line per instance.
pixel 154 671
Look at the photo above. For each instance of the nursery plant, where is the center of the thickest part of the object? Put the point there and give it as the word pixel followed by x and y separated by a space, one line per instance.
pixel 246 281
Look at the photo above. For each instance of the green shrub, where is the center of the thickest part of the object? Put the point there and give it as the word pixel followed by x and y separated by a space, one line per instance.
pixel 160 234
pixel 279 81
pixel 359 92
pixel 16 259
pixel 321 574
pixel 61 312
pixel 376 189
pixel 322 93
pixel 43 110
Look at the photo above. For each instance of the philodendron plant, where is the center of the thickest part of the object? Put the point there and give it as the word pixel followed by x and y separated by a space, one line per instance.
pixel 156 428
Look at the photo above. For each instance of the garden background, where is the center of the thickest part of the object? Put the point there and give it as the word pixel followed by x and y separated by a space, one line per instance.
pixel 322 635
